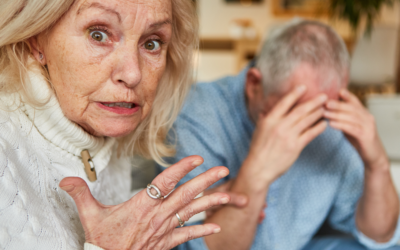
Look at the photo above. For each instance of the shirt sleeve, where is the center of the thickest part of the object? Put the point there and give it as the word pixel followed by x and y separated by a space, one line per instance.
pixel 343 213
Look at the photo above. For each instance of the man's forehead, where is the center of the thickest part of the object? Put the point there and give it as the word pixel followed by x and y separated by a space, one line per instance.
pixel 315 80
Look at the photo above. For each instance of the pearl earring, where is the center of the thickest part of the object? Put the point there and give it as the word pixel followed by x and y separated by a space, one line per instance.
pixel 40 56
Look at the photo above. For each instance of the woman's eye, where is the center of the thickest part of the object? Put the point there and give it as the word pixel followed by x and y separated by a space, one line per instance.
pixel 99 36
pixel 152 45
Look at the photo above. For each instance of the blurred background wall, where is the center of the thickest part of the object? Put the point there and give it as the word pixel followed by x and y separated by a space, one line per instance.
pixel 219 56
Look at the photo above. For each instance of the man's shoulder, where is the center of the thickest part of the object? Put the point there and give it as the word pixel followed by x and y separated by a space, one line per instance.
pixel 206 98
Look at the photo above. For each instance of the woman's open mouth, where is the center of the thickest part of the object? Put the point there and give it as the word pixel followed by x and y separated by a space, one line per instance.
pixel 122 108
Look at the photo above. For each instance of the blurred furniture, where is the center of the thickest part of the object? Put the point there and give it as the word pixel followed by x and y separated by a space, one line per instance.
pixel 305 8
pixel 214 64
pixel 386 110
pixel 243 49
pixel 374 62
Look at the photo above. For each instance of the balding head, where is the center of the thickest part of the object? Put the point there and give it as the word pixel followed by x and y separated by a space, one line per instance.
pixel 301 52
pixel 299 42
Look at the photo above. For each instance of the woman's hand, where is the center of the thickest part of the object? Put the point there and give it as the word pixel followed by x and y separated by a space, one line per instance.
pixel 282 134
pixel 350 116
pixel 146 223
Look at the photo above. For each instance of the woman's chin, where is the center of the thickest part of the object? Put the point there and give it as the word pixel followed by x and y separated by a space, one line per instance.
pixel 115 131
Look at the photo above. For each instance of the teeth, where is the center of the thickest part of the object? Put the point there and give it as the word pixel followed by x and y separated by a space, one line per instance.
pixel 120 104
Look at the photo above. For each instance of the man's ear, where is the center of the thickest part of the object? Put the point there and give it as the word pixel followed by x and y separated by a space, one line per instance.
pixel 36 50
pixel 253 83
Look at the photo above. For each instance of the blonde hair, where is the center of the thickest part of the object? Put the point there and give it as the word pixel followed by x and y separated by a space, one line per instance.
pixel 23 19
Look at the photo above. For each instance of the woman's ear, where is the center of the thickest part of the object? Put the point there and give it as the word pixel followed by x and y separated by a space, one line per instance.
pixel 36 50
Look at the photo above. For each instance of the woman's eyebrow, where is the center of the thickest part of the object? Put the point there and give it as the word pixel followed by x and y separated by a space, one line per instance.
pixel 158 24
pixel 99 6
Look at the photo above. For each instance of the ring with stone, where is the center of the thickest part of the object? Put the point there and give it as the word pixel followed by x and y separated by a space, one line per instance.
pixel 158 196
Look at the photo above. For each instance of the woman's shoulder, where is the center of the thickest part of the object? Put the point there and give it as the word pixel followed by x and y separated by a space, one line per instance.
pixel 12 124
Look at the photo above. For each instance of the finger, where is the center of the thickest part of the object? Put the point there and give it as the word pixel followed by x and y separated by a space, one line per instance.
pixel 342 117
pixel 348 128
pixel 308 121
pixel 167 180
pixel 79 191
pixel 334 105
pixel 283 106
pixel 312 133
pixel 304 109
pixel 184 194
pixel 200 205
pixel 237 200
pixel 349 97
pixel 183 234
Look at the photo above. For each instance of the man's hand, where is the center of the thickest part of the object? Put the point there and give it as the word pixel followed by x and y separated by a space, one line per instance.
pixel 282 134
pixel 237 200
pixel 350 116
pixel 378 208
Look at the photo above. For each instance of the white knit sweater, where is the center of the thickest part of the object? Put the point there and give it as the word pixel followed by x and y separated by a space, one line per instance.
pixel 38 148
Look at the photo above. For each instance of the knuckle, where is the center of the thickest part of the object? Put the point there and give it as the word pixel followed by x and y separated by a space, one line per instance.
pixel 168 183
pixel 190 234
pixel 155 224
pixel 187 196
pixel 188 213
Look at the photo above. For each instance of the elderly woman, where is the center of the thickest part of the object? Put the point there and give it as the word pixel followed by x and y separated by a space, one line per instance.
pixel 84 85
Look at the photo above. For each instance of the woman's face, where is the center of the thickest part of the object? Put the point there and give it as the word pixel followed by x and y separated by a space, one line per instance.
pixel 105 59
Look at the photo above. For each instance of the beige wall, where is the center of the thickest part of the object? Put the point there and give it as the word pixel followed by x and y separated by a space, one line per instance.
pixel 215 17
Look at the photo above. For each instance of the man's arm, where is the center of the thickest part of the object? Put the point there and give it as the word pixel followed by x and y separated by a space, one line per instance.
pixel 277 142
pixel 378 208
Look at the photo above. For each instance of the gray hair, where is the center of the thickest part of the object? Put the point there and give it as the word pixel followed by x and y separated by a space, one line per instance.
pixel 302 41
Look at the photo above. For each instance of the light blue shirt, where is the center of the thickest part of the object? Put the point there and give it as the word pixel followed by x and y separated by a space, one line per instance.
pixel 326 181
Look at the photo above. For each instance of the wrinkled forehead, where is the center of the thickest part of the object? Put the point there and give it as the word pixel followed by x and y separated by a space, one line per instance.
pixel 127 9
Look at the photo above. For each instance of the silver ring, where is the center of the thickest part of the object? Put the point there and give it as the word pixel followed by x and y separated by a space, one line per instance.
pixel 181 223
pixel 158 196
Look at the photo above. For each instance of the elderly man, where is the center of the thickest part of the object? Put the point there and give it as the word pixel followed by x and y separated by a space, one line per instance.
pixel 289 132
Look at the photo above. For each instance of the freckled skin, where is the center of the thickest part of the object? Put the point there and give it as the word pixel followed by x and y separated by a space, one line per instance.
pixel 304 74
pixel 85 72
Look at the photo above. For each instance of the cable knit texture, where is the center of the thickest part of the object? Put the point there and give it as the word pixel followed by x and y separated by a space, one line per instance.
pixel 38 148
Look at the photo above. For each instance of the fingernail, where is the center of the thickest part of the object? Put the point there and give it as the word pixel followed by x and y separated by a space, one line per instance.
pixel 217 230
pixel 223 173
pixel 301 88
pixel 197 163
pixel 68 188
pixel 224 200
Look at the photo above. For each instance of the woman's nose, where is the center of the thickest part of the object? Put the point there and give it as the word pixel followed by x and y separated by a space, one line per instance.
pixel 128 70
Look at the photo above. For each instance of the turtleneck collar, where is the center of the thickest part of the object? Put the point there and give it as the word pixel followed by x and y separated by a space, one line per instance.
pixel 54 126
